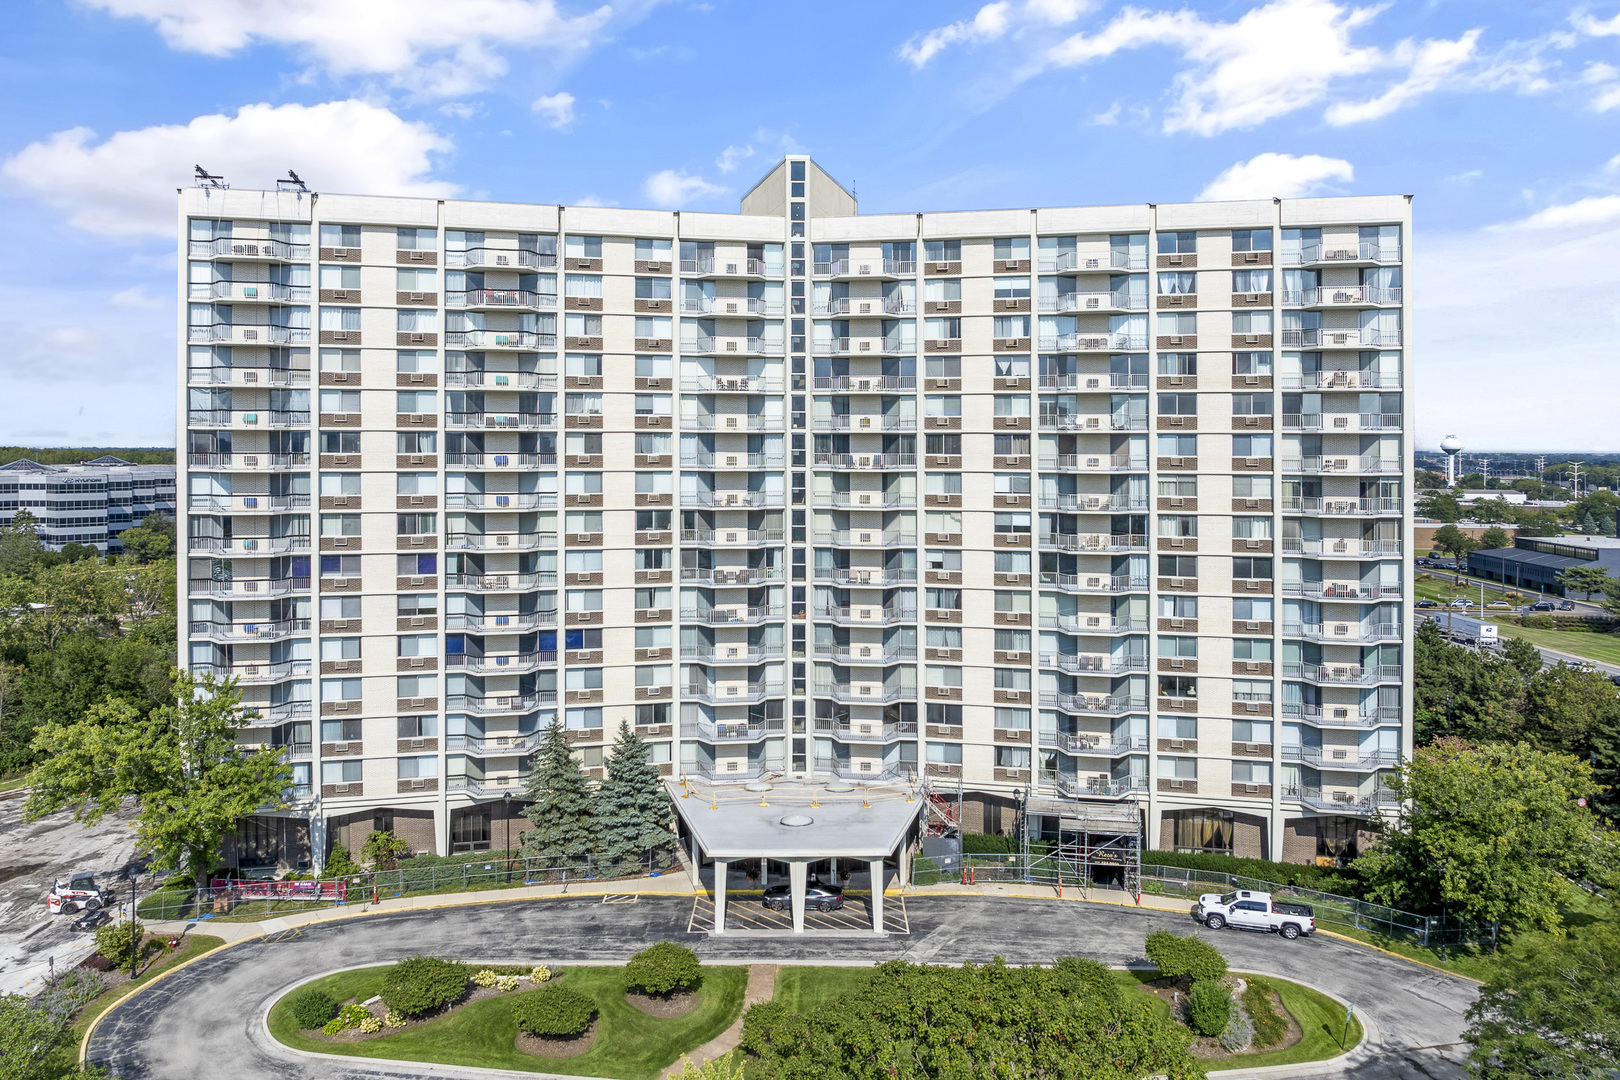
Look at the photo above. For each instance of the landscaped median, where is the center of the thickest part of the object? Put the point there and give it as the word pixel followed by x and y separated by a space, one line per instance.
pixel 634 1022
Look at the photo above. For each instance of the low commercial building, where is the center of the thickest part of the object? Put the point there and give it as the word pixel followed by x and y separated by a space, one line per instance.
pixel 1534 562
pixel 88 503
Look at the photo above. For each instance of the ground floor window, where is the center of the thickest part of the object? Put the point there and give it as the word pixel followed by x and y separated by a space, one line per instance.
pixel 469 829
pixel 1204 831
pixel 1336 839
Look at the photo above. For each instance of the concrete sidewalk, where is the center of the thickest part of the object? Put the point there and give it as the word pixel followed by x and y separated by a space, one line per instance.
pixel 672 884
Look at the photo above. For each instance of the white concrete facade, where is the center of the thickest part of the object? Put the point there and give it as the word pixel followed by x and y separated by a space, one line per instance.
pixel 1096 503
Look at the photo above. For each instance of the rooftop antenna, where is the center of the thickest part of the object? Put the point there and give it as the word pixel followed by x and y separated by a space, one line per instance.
pixel 207 179
pixel 292 183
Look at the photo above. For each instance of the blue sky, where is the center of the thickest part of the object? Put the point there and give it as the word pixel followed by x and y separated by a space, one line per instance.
pixel 1502 119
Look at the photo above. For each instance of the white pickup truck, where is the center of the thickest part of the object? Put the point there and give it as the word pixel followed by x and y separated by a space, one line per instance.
pixel 1248 910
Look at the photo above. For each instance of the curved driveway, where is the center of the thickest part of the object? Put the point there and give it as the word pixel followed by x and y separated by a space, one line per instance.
pixel 207 1019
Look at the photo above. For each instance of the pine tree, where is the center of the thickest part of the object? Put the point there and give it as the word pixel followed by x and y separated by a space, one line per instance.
pixel 560 802
pixel 632 807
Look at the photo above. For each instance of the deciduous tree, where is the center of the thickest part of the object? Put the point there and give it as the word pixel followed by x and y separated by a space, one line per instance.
pixel 180 763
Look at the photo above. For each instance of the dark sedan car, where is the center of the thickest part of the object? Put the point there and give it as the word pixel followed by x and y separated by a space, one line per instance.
pixel 816 895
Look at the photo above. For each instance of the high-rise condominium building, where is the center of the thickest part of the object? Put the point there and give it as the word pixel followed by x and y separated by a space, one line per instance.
pixel 1052 506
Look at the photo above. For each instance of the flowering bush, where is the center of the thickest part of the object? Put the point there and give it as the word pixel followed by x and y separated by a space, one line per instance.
pixel 540 974
pixel 485 978
pixel 369 1026
pixel 506 983
pixel 394 1019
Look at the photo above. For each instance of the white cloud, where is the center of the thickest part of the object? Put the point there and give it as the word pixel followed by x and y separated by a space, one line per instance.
pixel 432 47
pixel 462 110
pixel 1554 257
pixel 671 189
pixel 1276 58
pixel 1279 176
pixel 1607 100
pixel 988 24
pixel 558 109
pixel 733 156
pixel 124 185
pixel 1594 27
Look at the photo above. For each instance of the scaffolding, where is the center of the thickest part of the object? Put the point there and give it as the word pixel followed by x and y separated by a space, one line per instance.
pixel 1094 841
pixel 944 814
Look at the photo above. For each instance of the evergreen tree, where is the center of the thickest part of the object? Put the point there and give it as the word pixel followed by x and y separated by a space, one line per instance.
pixel 560 802
pixel 632 807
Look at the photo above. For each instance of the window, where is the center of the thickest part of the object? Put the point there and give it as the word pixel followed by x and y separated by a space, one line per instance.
pixel 1251 404
pixel 1251 528
pixel 341 772
pixel 1183 446
pixel 943 753
pixel 943 251
pixel 1010 326
pixel 1244 566
pixel 1251 239
pixel 1178 323
pixel 340 524
pixel 1008 562
pixel 416 686
pixel 340 566
pixel 1251 487
pixel 1178 607
pixel 652 288
pixel 1009 523
pixel 1250 610
pixel 1251 322
pixel 416 401
pixel 1254 649
pixel 1251 772
pixel 1178 487
pixel 340 318
pixel 340 483
pixel 415 442
pixel 423 767
pixel 1176 726
pixel 412 280
pixel 1256 446
pixel 417 565
pixel 1178 648
pixel 407 604
pixel 416 524
pixel 1008 248
pixel 1178 404
pixel 652 251
pixel 1012 757
pixel 1178 243
pixel 1251 690
pixel 942 405
pixel 417 239
pixel 340 689
pixel 340 236
pixel 1253 282
pixel 1251 731
pixel 340 731
pixel 944 290
pixel 1251 363
pixel 340 359
pixel 1200 830
pixel 415 483
pixel 1012 719
pixel 340 401
pixel 1178 566
pixel 1178 283
pixel 1013 641
pixel 340 277
pixel 583 247
pixel 418 645
pixel 340 607
pixel 1178 525
pixel 340 648
pixel 416 321
pixel 583 719
pixel 1178 363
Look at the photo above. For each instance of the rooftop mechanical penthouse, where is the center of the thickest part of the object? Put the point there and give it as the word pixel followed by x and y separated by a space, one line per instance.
pixel 1060 506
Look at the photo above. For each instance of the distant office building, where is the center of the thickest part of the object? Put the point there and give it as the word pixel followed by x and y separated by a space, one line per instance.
pixel 88 503
pixel 1067 509
pixel 1534 562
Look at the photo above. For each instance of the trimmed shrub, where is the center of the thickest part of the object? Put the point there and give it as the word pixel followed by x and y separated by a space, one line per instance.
pixel 420 984
pixel 663 969
pixel 925 871
pixel 1537 622
pixel 332 1026
pixel 394 1019
pixel 1269 1025
pixel 370 1025
pixel 553 1011
pixel 312 1008
pixel 1209 1007
pixel 117 941
pixel 988 844
pixel 506 983
pixel 485 978
pixel 1341 881
pixel 1187 959
pixel 353 1015
pixel 540 974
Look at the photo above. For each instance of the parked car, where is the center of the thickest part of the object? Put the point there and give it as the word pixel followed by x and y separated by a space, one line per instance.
pixel 1427 603
pixel 816 895
pixel 1462 601
pixel 1499 604
pixel 1542 605
pixel 1567 605
pixel 1248 910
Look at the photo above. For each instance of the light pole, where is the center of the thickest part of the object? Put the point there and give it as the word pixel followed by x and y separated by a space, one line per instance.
pixel 134 936
pixel 506 800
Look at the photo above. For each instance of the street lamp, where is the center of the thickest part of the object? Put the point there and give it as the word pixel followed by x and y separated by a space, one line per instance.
pixel 135 942
pixel 506 800
pixel 1441 863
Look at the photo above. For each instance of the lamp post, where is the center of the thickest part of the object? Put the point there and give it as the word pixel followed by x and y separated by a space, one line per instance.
pixel 506 800
pixel 134 937
pixel 1441 863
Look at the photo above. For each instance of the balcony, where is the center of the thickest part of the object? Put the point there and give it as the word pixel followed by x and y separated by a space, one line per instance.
pixel 1102 584
pixel 251 546
pixel 873 268
pixel 868 577
pixel 1112 342
pixel 1348 466
pixel 1340 802
pixel 724 268
pixel 501 380
pixel 247 504
pixel 515 623
pixel 461 541
pixel 866 615
pixel 865 538
pixel 255 673
pixel 499 339
pixel 731 537
pixel 269 715
pixel 1100 381
pixel 488 583
pixel 731 422
pixel 1093 542
pixel 864 693
pixel 1366 251
pixel 249 631
pixel 499 705
pixel 246 376
pixel 865 731
pixel 865 655
pixel 477 500
pixel 501 300
pixel 874 462
pixel 865 384
pixel 495 745
pixel 1101 463
pixel 862 500
pixel 745 653
pixel 1094 787
pixel 739 306
pixel 487 421
pixel 248 334
pixel 858 422
pixel 1348 591
pixel 1079 303
pixel 1366 337
pixel 488 258
pixel 1093 624
pixel 1095 744
pixel 1340 507
pixel 731 499
pixel 505 664
pixel 731 384
pixel 1342 548
pixel 231 249
pixel 1094 663
pixel 727 462
pixel 249 462
pixel 730 576
pixel 498 461
pixel 872 307
pixel 742 615
pixel 718 346
pixel 1341 296
pixel 248 588
pixel 1343 674
pixel 723 732
pixel 1051 420
pixel 1344 759
pixel 1345 633
pixel 1078 503
pixel 732 693
pixel 1096 704
pixel 1342 716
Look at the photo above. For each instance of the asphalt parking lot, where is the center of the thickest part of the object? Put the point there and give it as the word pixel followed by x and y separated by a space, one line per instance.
pixel 31 857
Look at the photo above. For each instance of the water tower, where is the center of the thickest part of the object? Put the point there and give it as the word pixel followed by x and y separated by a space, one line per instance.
pixel 1452 447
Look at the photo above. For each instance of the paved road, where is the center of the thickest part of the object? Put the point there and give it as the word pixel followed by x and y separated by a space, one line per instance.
pixel 211 1014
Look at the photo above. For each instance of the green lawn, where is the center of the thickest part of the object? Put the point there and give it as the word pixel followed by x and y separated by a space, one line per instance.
pixel 629 1044
pixel 14 783
pixel 1604 648
pixel 1319 1016
pixel 804 988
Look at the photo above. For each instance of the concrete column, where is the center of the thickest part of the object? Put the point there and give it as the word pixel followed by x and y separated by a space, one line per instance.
pixel 697 862
pixel 796 882
pixel 720 870
pixel 317 835
pixel 832 874
pixel 877 895
pixel 904 860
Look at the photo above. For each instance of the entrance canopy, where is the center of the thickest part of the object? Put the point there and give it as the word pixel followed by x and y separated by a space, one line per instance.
pixel 798 822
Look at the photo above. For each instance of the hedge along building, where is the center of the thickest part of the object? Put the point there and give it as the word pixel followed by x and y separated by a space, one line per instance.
pixel 799 823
